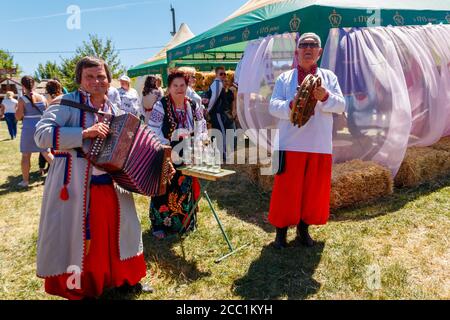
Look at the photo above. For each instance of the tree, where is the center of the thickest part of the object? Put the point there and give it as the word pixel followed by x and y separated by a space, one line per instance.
pixel 68 73
pixel 7 61
pixel 105 50
pixel 96 47
pixel 49 70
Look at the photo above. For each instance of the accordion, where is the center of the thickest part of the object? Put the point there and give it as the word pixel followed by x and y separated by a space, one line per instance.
pixel 133 155
pixel 304 109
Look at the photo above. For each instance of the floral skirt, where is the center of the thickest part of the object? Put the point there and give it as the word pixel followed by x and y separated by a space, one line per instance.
pixel 169 213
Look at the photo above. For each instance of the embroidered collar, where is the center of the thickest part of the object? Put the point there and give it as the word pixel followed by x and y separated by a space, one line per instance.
pixel 107 106
pixel 182 117
pixel 302 73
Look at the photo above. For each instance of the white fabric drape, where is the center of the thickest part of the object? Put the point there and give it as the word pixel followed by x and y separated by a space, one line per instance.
pixel 396 82
pixel 263 61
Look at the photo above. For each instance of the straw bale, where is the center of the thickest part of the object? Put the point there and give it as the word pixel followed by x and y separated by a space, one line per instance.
pixel 422 164
pixel 359 181
pixel 443 144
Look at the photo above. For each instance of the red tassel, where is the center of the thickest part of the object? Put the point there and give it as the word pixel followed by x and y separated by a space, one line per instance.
pixel 64 195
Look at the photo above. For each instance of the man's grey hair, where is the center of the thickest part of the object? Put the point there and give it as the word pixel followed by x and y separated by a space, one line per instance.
pixel 309 35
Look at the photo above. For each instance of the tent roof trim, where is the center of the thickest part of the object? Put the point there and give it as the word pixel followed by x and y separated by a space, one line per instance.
pixel 292 15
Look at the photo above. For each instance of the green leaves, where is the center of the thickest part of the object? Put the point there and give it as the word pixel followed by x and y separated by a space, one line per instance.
pixel 7 61
pixel 95 46
pixel 49 70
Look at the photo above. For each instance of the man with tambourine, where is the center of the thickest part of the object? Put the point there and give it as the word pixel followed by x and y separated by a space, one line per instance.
pixel 304 99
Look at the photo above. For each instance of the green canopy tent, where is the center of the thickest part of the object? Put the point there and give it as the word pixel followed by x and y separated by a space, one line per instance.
pixel 227 56
pixel 152 67
pixel 158 63
pixel 202 62
pixel 259 18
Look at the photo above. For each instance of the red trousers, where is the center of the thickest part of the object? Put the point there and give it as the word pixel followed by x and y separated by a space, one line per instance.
pixel 102 265
pixel 302 190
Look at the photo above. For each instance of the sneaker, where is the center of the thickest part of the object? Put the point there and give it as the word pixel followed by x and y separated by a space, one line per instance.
pixel 23 184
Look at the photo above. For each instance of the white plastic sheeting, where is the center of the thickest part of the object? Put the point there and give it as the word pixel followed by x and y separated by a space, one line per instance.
pixel 263 61
pixel 396 82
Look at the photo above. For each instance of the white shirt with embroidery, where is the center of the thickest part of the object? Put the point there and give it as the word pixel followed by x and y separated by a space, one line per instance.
pixel 198 127
pixel 316 135
pixel 130 101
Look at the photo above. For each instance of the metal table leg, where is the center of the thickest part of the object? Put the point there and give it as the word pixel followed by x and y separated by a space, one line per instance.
pixel 230 246
pixel 203 191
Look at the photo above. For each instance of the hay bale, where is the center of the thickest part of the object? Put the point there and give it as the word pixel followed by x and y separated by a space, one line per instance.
pixel 265 182
pixel 246 171
pixel 246 166
pixel 443 144
pixel 352 182
pixel 358 181
pixel 422 164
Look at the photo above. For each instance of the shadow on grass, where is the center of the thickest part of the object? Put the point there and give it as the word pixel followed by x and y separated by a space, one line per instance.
pixel 115 294
pixel 286 274
pixel 245 201
pixel 11 183
pixel 168 260
pixel 389 204
pixel 161 250
pixel 242 199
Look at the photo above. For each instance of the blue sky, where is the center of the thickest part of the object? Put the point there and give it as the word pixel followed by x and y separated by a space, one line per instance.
pixel 41 25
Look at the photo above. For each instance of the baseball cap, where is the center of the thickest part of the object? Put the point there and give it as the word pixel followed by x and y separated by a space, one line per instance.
pixel 125 78
pixel 310 35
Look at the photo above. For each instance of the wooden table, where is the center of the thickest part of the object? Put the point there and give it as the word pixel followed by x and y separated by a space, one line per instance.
pixel 206 175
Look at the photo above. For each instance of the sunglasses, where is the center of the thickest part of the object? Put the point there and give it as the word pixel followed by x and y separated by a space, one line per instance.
pixel 308 45
pixel 222 74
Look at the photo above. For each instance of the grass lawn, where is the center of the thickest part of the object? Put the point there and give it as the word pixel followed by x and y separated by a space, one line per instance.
pixel 395 248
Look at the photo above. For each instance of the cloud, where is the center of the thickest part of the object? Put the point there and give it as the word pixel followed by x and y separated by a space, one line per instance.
pixel 99 9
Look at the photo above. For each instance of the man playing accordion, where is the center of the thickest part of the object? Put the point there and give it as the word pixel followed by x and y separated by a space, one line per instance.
pixel 89 234
pixel 301 190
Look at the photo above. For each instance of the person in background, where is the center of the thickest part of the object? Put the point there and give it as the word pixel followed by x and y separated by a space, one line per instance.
pixel 130 101
pixel 8 110
pixel 30 108
pixel 190 74
pixel 219 104
pixel 53 90
pixel 159 85
pixel 63 89
pixel 150 95
pixel 114 96
pixel 229 105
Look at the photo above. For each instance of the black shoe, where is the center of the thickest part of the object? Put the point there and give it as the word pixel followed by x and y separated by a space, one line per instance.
pixel 280 238
pixel 303 236
pixel 136 289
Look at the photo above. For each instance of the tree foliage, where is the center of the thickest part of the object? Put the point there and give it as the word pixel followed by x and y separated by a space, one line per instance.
pixel 96 47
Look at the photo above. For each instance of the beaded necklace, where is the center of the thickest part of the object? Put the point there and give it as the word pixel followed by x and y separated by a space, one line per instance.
pixel 181 119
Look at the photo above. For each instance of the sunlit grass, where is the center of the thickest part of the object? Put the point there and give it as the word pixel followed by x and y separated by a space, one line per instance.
pixel 404 236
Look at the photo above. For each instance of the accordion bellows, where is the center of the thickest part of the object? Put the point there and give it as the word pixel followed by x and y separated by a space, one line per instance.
pixel 133 155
